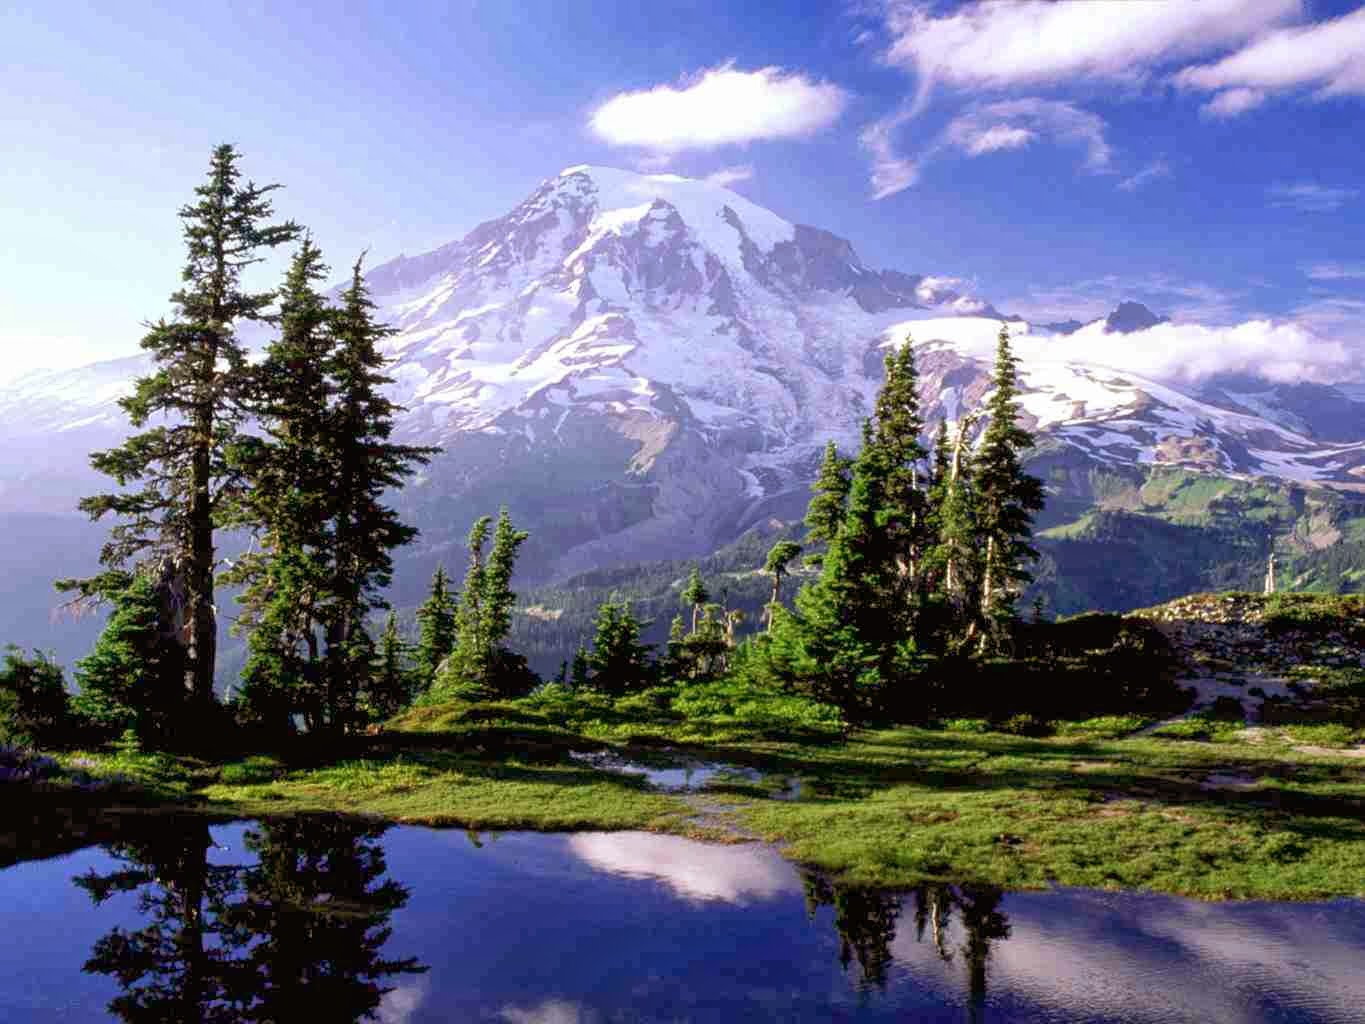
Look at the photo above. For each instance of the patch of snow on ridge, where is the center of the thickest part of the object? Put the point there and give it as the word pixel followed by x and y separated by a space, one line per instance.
pixel 624 196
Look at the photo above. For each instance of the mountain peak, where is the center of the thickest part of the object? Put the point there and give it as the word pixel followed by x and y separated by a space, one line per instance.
pixel 1130 317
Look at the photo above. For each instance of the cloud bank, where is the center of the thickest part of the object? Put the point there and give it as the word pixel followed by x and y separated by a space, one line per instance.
pixel 719 107
pixel 1170 352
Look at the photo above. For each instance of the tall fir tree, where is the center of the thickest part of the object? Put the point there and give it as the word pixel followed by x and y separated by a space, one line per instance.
pixel 1006 498
pixel 366 464
pixel 174 478
pixel 289 503
pixel 904 513
pixel 829 498
pixel 436 616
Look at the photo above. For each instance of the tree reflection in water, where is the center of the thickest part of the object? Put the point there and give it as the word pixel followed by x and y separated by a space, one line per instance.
pixel 866 921
pixel 299 933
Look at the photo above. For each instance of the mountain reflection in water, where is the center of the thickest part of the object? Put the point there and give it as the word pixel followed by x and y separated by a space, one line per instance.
pixel 330 920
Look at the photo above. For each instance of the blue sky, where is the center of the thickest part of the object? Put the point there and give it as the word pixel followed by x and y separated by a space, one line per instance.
pixel 1205 158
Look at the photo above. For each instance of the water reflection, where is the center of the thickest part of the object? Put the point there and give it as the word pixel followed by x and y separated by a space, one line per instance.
pixel 311 920
pixel 299 931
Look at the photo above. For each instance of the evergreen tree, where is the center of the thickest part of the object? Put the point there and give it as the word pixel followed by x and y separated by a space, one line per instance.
pixel 290 504
pixel 845 650
pixel 134 678
pixel 1007 498
pixel 695 595
pixel 34 710
pixel 391 683
pixel 618 660
pixel 829 498
pixel 181 471
pixel 780 556
pixel 480 665
pixel 581 668
pixel 366 464
pixel 437 618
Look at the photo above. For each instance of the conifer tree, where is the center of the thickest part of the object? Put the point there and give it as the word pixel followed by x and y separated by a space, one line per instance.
pixel 437 618
pixel 904 514
pixel 579 673
pixel 829 498
pixel 366 465
pixel 289 503
pixel 780 556
pixel 619 662
pixel 391 688
pixel 134 677
pixel 695 595
pixel 1007 497
pixel 174 478
pixel 480 665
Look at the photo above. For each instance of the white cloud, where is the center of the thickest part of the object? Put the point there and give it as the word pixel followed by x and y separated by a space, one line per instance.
pixel 996 137
pixel 981 129
pixel 1328 56
pixel 1178 297
pixel 995 45
pixel 1232 102
pixel 399 1005
pixel 1336 271
pixel 1010 124
pixel 718 107
pixel 1310 197
pixel 891 172
pixel 727 176
pixel 1156 169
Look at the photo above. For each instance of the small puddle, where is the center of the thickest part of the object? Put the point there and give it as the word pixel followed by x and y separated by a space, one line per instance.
pixel 683 777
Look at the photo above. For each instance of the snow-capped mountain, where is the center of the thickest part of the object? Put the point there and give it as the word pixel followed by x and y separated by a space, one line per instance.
pixel 641 365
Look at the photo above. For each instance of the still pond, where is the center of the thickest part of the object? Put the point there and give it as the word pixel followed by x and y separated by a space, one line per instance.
pixel 326 920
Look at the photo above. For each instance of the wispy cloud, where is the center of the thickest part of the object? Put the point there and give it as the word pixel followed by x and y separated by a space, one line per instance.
pixel 1158 168
pixel 983 129
pixel 718 107
pixel 1311 197
pixel 1232 103
pixel 1335 271
pixel 727 176
pixel 892 171
pixel 1328 57
pixel 1010 124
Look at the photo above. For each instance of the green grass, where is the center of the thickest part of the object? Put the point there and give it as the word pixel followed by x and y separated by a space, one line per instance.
pixel 1088 805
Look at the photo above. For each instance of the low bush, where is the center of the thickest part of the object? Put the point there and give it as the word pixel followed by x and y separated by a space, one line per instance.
pixel 34 709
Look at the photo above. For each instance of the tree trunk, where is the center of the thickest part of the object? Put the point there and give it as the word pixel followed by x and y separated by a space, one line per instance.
pixel 199 582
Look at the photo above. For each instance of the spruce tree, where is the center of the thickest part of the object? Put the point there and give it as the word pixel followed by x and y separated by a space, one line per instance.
pixel 289 503
pixel 174 478
pixel 896 445
pixel 1007 497
pixel 480 664
pixel 829 498
pixel 134 677
pixel 366 464
pixel 579 674
pixel 391 682
pixel 695 595
pixel 437 618
pixel 618 660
